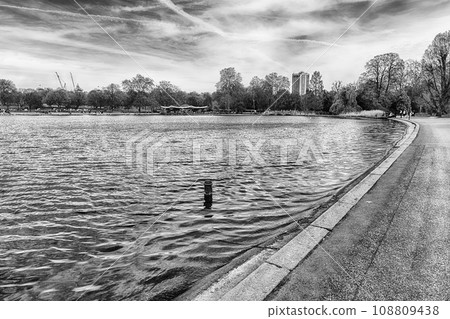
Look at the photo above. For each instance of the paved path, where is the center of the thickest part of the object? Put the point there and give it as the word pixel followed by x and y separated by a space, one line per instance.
pixel 394 244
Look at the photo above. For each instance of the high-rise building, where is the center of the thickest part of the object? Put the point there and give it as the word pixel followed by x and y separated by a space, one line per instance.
pixel 295 83
pixel 300 83
pixel 304 83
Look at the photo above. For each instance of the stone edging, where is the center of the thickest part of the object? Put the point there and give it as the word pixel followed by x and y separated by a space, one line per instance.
pixel 256 278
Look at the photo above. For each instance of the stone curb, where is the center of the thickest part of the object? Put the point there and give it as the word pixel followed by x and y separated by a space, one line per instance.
pixel 255 279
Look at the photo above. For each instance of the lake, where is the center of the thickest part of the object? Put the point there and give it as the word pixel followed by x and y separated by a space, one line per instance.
pixel 111 207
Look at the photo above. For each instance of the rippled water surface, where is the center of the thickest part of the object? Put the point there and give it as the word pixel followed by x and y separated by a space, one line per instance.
pixel 86 215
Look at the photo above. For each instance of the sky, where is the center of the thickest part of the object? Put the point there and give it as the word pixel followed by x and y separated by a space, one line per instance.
pixel 189 42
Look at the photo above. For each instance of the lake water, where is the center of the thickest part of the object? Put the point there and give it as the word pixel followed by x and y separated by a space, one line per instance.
pixel 85 214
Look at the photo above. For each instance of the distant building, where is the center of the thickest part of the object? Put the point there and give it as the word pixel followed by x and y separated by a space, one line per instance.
pixel 300 83
pixel 183 109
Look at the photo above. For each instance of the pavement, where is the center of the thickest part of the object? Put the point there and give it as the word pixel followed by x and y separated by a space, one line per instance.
pixel 394 243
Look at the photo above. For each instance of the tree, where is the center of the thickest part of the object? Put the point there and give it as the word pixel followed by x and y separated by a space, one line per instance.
pixel 195 99
pixel 77 97
pixel 384 72
pixel 400 103
pixel 316 88
pixel 207 99
pixel 336 86
pixel 168 94
pixel 143 101
pixel 345 100
pixel 313 102
pixel 57 97
pixel 229 88
pixel 277 83
pixel 33 99
pixel 139 84
pixel 19 97
pixel 229 82
pixel 328 98
pixel 215 106
pixel 114 96
pixel 412 74
pixel 297 102
pixel 367 97
pixel 138 90
pixel 436 72
pixel 274 88
pixel 7 92
pixel 97 99
pixel 260 93
pixel 414 84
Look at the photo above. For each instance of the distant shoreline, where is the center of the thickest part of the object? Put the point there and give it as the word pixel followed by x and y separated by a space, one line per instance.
pixel 364 115
pixel 73 114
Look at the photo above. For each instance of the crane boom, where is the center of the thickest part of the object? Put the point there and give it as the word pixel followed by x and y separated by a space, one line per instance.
pixel 59 80
pixel 73 83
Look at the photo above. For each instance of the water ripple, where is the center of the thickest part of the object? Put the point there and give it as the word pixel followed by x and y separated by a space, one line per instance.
pixel 71 209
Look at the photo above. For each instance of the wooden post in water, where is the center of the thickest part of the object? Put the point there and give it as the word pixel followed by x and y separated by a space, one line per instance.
pixel 208 194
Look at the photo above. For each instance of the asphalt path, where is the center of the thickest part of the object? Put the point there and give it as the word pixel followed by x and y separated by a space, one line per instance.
pixel 394 244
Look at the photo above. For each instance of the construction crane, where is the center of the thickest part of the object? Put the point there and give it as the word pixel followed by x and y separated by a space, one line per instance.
pixel 60 82
pixel 73 83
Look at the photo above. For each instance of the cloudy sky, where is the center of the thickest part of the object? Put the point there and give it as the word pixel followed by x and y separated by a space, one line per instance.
pixel 189 42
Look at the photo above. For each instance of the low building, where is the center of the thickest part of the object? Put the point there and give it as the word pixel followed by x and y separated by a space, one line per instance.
pixel 183 109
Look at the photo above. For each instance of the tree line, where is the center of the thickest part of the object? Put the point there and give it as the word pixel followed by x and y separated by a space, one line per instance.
pixel 388 83
pixel 139 92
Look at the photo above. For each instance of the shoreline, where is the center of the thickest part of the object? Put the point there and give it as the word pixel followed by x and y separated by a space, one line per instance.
pixel 64 114
pixel 380 237
pixel 222 282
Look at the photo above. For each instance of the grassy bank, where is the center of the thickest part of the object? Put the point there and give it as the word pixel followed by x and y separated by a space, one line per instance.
pixel 371 114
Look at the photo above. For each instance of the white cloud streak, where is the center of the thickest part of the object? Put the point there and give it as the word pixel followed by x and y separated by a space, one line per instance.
pixel 207 26
pixel 73 14
pixel 256 37
pixel 234 36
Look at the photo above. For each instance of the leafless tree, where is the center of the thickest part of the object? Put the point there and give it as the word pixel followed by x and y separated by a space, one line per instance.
pixel 436 72
pixel 385 73
pixel 277 82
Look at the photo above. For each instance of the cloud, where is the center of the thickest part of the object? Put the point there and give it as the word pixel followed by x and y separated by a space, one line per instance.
pixel 207 26
pixel 73 14
pixel 256 35
pixel 189 42
pixel 139 8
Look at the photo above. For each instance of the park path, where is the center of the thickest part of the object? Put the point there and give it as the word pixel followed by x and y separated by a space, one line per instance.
pixel 394 244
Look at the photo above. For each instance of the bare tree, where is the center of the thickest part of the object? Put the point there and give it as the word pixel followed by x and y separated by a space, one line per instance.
pixel 412 74
pixel 436 72
pixel 336 86
pixel 385 73
pixel 413 84
pixel 138 84
pixel 277 82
